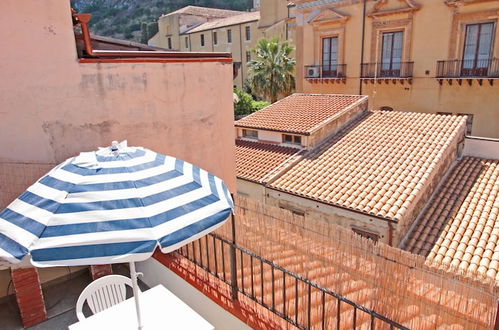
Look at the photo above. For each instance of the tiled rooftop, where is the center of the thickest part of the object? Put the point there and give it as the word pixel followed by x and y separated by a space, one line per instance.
pixel 300 113
pixel 460 227
pixel 232 20
pixel 205 12
pixel 378 165
pixel 255 161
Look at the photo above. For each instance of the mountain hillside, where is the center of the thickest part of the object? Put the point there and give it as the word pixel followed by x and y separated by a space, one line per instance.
pixel 136 20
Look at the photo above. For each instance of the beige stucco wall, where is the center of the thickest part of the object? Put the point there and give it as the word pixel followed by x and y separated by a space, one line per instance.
pixel 53 107
pixel 484 148
pixel 272 23
pixel 428 36
pixel 251 190
pixel 329 213
pixel 273 137
pixel 238 47
pixel 168 27
pixel 272 11
pixel 336 124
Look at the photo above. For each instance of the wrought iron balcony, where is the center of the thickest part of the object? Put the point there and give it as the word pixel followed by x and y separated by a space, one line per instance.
pixel 325 71
pixel 387 70
pixel 484 68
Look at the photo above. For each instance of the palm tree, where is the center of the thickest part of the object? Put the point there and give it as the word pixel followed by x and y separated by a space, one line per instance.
pixel 272 71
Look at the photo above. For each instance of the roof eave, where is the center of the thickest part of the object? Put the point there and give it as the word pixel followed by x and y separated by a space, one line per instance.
pixel 273 130
pixel 334 205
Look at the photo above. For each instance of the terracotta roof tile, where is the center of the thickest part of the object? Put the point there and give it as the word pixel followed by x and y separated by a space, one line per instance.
pixel 460 228
pixel 374 165
pixel 228 21
pixel 205 12
pixel 300 113
pixel 255 161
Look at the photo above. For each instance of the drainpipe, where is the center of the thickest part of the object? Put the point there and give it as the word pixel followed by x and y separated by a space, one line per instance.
pixel 362 45
pixel 287 23
pixel 241 51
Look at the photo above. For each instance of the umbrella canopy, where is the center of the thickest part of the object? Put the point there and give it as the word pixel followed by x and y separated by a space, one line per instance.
pixel 113 205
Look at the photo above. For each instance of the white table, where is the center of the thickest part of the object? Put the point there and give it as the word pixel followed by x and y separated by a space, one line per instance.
pixel 160 309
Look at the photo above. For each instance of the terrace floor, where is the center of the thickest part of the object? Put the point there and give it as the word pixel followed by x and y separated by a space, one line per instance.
pixel 60 299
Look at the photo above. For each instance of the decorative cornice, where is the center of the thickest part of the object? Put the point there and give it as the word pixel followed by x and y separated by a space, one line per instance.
pixel 340 17
pixel 457 3
pixel 317 3
pixel 411 7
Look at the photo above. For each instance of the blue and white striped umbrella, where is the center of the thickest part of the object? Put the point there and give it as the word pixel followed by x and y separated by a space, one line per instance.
pixel 111 206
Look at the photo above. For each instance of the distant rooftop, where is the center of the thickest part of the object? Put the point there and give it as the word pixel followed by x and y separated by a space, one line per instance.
pixel 378 165
pixel 205 12
pixel 228 21
pixel 255 161
pixel 460 227
pixel 300 113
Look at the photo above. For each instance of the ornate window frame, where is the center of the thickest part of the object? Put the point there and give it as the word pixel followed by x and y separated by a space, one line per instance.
pixel 324 27
pixel 329 33
pixel 381 26
pixel 458 31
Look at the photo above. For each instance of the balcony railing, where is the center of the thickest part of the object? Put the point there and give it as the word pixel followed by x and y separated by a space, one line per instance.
pixel 484 68
pixel 385 70
pixel 325 71
pixel 297 300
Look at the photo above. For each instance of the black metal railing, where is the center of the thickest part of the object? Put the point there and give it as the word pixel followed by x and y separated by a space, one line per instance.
pixel 386 70
pixel 325 71
pixel 486 68
pixel 290 296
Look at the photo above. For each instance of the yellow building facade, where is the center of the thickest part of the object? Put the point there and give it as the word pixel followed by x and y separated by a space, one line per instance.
pixel 200 29
pixel 435 56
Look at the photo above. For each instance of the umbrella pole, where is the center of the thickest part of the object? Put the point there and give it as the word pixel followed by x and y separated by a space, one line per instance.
pixel 133 275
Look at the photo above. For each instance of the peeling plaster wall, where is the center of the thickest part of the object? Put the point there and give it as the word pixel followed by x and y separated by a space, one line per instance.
pixel 52 107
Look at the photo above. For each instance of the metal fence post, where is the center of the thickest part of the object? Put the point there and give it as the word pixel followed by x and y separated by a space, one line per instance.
pixel 233 268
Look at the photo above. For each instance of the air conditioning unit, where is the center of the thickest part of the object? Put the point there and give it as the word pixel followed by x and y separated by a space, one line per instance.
pixel 313 72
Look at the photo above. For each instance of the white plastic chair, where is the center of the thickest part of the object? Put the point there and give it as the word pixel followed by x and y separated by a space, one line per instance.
pixel 103 293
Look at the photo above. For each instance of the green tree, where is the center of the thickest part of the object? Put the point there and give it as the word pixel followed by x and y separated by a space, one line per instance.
pixel 143 31
pixel 152 29
pixel 272 71
pixel 245 105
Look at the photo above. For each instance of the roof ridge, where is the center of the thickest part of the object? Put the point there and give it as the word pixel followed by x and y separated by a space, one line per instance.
pixel 420 217
pixel 212 24
pixel 212 9
pixel 327 139
pixel 328 94
pixel 301 113
pixel 385 139
pixel 338 114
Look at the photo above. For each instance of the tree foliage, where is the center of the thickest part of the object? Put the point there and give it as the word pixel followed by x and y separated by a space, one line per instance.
pixel 143 33
pixel 271 72
pixel 122 18
pixel 245 104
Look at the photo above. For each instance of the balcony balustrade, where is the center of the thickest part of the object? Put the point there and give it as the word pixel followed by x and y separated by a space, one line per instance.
pixel 336 71
pixel 387 70
pixel 468 69
pixel 299 301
